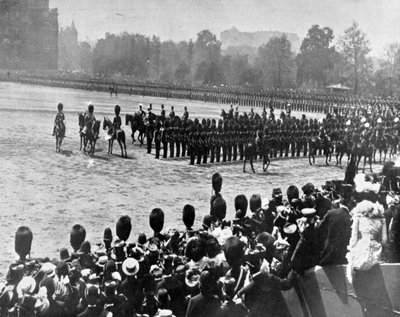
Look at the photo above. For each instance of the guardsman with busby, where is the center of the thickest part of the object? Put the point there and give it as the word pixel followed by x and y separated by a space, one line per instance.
pixel 204 148
pixel 172 142
pixel 184 140
pixel 212 146
pixel 165 139
pixel 199 145
pixel 191 146
pixel 157 139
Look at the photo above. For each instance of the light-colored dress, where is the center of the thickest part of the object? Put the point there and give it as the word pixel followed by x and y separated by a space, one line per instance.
pixel 368 236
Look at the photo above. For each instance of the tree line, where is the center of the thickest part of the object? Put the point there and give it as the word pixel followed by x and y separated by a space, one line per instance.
pixel 318 63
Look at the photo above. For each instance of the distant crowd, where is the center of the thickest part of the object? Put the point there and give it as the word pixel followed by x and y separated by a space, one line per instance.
pixel 220 267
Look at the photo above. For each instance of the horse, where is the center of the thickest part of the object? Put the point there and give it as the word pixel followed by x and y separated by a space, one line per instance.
pixel 342 147
pixel 393 141
pixel 380 144
pixel 223 115
pixel 81 122
pixel 119 135
pixel 251 150
pixel 60 135
pixel 361 148
pixel 315 143
pixel 91 136
pixel 137 124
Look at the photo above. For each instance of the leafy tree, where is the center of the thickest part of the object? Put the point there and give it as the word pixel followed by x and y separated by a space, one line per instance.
pixel 276 61
pixel 355 48
pixel 315 59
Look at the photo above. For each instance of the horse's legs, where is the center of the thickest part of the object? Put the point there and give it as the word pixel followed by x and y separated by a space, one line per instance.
pixel 365 161
pixel 251 164
pixel 244 164
pixel 309 157
pixel 358 158
pixel 122 149
pixel 370 164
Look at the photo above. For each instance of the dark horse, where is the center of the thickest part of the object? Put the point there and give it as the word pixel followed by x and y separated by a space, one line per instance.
pixel 60 135
pixel 315 143
pixel 393 141
pixel 251 150
pixel 91 137
pixel 343 147
pixel 361 148
pixel 112 134
pixel 137 124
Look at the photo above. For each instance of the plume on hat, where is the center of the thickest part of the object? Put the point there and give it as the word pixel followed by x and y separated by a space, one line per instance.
pixel 361 185
pixel 369 209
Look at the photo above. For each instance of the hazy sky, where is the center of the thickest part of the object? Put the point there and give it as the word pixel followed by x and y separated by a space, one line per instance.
pixel 183 19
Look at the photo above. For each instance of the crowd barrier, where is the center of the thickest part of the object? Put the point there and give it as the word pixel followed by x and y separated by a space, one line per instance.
pixel 326 292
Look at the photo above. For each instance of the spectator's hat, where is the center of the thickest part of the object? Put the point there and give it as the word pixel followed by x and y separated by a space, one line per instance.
pixel 85 248
pixel 49 269
pixel 162 297
pixel 290 228
pixel 42 305
pixel 130 267
pixel 142 240
pixel 26 286
pixel 102 261
pixel 308 212
pixel 92 294
pixel 64 255
pixel 165 313
pixel 276 192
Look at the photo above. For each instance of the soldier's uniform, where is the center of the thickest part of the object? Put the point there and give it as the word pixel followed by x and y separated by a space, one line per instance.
pixel 165 140
pixel 212 146
pixel 224 146
pixel 157 141
pixel 184 140
pixel 228 141
pixel 199 147
pixel 149 137
pixel 178 140
pixel 191 145
pixel 205 139
pixel 171 142
pixel 218 146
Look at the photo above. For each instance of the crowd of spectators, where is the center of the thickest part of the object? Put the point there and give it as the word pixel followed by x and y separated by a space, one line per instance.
pixel 236 267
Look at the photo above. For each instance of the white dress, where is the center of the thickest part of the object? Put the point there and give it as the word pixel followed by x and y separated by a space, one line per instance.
pixel 367 237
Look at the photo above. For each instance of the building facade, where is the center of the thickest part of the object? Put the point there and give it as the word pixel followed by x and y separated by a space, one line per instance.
pixel 28 35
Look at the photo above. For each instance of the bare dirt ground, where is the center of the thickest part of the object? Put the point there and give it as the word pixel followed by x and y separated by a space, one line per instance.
pixel 51 192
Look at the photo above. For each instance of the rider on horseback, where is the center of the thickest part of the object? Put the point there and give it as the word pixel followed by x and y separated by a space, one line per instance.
pixel 259 141
pixel 90 119
pixel 117 121
pixel 59 120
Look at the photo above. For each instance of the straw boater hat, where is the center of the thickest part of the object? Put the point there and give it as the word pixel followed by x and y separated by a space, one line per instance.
pixel 130 267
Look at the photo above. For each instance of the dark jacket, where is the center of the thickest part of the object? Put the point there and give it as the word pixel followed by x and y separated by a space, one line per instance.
pixel 203 306
pixel 334 233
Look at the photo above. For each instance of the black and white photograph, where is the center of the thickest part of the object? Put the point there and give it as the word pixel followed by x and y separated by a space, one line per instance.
pixel 199 158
